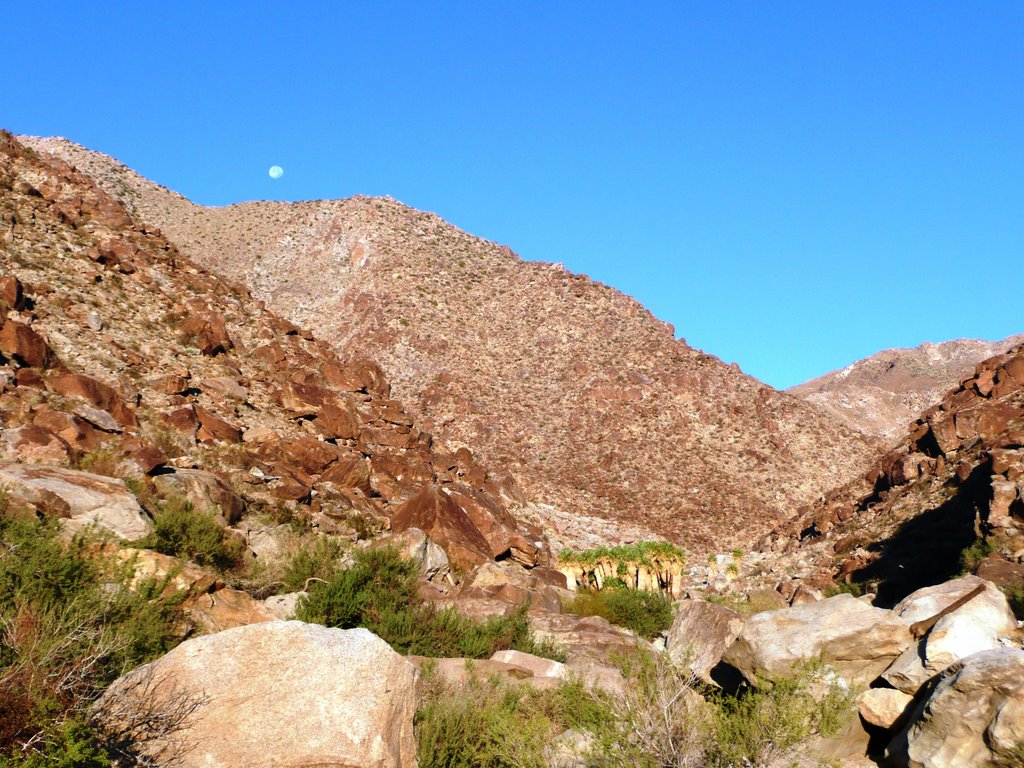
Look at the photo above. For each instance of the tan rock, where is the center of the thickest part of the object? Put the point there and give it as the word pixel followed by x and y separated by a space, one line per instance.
pixel 856 639
pixel 976 626
pixel 973 717
pixel 205 491
pixel 535 665
pixel 280 693
pixel 700 634
pixel 882 706
pixel 80 498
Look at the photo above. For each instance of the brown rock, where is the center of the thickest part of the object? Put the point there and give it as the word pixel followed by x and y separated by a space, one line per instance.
pixel 23 344
pixel 435 513
pixel 351 472
pixel 11 296
pixel 358 376
pixel 213 427
pixel 96 394
pixel 206 328
pixel 77 433
pixel 337 419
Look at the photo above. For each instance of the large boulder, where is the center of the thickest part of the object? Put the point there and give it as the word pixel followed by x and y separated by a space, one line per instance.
pixel 976 625
pixel 279 693
pixel 434 512
pixel 700 634
pixel 81 499
pixel 974 716
pixel 856 639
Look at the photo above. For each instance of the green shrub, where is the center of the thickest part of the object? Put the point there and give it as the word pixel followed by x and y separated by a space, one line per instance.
pixel 379 592
pixel 496 724
pixel 854 588
pixel 1015 595
pixel 973 556
pixel 71 625
pixel 181 531
pixel 646 613
pixel 319 560
pixel 763 724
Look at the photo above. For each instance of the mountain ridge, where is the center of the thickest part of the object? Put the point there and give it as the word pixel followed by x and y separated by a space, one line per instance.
pixel 609 424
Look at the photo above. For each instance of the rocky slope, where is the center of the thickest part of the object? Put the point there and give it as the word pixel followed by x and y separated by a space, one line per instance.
pixel 616 429
pixel 882 394
pixel 955 482
pixel 119 353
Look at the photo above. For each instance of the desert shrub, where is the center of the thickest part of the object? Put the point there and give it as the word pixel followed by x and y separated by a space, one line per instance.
pixel 646 613
pixel 1015 595
pixel 662 720
pixel 854 588
pixel 762 724
pixel 379 592
pixel 69 625
pixel 496 724
pixel 972 557
pixel 181 531
pixel 319 560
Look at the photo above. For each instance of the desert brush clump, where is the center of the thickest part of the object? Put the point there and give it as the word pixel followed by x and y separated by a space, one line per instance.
pixel 646 613
pixel 499 724
pixel 184 532
pixel 379 592
pixel 664 717
pixel 72 619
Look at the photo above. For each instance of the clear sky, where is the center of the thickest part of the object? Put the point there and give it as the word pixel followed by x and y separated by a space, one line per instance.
pixel 792 185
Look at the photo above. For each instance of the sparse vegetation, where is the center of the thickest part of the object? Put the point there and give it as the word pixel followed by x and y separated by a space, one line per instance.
pixel 379 592
pixel 646 613
pixel 664 718
pixel 69 625
pixel 183 532
pixel 973 556
pixel 495 724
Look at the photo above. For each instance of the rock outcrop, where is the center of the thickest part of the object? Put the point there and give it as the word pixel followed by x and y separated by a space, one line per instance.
pixel 973 717
pixel 953 482
pixel 121 357
pixel 80 499
pixel 857 640
pixel 275 693
pixel 882 394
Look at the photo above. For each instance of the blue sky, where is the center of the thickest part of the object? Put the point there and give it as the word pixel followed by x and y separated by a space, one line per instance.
pixel 792 185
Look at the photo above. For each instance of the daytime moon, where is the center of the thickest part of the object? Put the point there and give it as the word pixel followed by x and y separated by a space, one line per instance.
pixel 276 171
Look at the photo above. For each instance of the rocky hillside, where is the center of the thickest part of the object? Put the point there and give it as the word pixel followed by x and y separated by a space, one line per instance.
pixel 121 354
pixel 949 496
pixel 882 394
pixel 613 427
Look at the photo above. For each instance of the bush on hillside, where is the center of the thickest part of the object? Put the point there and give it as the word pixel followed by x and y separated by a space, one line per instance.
pixel 69 625
pixel 181 531
pixel 379 592
pixel 496 724
pixel 646 613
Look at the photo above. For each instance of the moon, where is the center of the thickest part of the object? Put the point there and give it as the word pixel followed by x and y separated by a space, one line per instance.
pixel 276 172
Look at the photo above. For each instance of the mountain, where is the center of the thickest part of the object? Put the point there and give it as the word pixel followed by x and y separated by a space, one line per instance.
pixel 948 494
pixel 882 394
pixel 120 354
pixel 610 427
